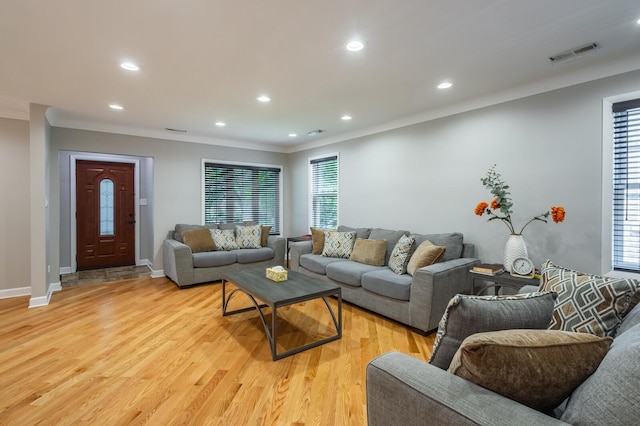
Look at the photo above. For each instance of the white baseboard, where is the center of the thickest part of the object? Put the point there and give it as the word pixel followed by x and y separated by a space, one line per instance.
pixel 36 302
pixel 65 270
pixel 15 292
pixel 145 262
pixel 157 273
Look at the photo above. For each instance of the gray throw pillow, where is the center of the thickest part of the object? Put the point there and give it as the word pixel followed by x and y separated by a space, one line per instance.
pixel 466 315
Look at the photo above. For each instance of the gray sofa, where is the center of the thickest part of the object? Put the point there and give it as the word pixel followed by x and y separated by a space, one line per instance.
pixel 417 301
pixel 402 390
pixel 186 268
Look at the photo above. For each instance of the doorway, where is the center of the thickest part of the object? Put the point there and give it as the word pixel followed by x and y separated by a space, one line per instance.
pixel 105 214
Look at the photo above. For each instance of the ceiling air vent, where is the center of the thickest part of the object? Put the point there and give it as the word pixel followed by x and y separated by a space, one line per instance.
pixel 573 53
pixel 315 132
pixel 169 129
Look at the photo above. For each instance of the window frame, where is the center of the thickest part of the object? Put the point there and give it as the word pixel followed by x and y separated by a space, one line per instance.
pixel 310 162
pixel 607 242
pixel 248 165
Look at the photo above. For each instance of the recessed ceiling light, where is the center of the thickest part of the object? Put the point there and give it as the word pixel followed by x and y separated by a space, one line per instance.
pixel 116 106
pixel 220 123
pixel 264 98
pixel 129 66
pixel 444 85
pixel 355 46
pixel 638 21
pixel 346 117
pixel 293 135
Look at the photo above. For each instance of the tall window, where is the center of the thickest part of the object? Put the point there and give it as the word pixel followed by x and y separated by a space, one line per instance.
pixel 242 192
pixel 626 186
pixel 324 192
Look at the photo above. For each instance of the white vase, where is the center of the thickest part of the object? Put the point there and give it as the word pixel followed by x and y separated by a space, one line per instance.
pixel 514 248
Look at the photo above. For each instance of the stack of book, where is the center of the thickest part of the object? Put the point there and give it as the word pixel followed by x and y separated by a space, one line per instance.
pixel 489 268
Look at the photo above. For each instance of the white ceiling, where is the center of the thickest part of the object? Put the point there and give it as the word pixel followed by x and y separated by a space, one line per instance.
pixel 207 60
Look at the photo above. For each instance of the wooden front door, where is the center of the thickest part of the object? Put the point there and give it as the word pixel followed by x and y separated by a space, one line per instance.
pixel 105 214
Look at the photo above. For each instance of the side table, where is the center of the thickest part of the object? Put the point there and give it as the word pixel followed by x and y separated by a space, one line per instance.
pixel 503 279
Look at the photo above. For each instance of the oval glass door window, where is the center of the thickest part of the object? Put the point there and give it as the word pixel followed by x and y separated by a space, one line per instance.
pixel 106 207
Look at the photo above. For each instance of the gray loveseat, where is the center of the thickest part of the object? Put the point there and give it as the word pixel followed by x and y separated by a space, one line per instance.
pixel 402 390
pixel 417 301
pixel 186 268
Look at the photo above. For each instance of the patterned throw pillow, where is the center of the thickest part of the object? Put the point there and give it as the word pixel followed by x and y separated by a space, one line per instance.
pixel 249 236
pixel 588 303
pixel 224 239
pixel 466 315
pixel 338 244
pixel 400 254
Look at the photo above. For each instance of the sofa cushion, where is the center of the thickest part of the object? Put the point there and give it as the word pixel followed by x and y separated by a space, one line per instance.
pixel 630 320
pixel 338 244
pixel 249 237
pixel 265 235
pixel 211 259
pixel 400 254
pixel 198 240
pixel 453 241
pixel 224 239
pixel 390 236
pixel 318 263
pixel 387 283
pixel 349 273
pixel 587 303
pixel 254 255
pixel 611 395
pixel 360 232
pixel 466 315
pixel 426 254
pixel 232 225
pixel 369 252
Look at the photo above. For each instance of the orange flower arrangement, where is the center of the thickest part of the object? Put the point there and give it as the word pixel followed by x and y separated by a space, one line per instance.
pixel 501 205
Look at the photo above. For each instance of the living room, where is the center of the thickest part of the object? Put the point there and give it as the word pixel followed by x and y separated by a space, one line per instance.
pixel 549 139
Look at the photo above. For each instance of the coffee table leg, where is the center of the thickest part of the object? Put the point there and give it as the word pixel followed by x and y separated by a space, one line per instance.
pixel 273 340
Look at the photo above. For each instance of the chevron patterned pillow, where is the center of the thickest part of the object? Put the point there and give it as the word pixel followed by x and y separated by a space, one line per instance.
pixel 588 303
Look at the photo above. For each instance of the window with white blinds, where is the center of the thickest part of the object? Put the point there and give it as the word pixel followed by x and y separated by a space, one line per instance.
pixel 242 192
pixel 626 186
pixel 324 192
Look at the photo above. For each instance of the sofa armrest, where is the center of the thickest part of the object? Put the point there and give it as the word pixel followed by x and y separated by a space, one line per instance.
pixel 278 245
pixel 432 288
pixel 296 250
pixel 403 390
pixel 178 262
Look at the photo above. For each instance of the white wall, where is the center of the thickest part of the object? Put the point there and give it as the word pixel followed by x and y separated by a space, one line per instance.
pixel 426 177
pixel 144 218
pixel 176 172
pixel 14 207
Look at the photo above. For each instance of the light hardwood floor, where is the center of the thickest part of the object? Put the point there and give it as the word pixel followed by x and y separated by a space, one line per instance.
pixel 142 351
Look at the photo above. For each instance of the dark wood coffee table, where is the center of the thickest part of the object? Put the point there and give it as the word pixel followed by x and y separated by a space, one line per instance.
pixel 298 288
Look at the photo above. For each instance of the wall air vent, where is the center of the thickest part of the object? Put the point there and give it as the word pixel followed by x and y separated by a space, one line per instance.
pixel 573 53
pixel 169 129
pixel 315 132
